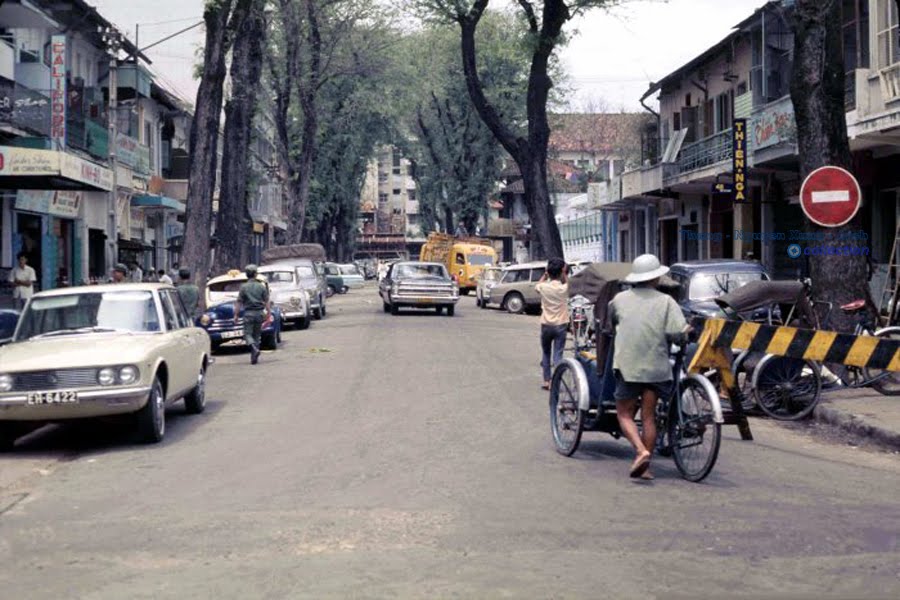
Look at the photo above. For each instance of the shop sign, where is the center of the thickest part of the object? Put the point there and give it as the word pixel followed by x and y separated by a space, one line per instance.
pixel 259 228
pixel 66 204
pixel 175 229
pixel 133 153
pixel 123 213
pixel 739 159
pixel 137 219
pixel 138 184
pixel 85 171
pixel 58 91
pixel 774 125
pixel 26 161
pixel 34 200
pixel 24 108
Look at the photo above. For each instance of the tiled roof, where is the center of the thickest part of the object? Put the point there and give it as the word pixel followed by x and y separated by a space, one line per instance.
pixel 611 134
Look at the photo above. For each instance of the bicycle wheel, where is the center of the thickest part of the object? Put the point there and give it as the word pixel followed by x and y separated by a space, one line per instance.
pixel 566 418
pixel 888 383
pixel 693 433
pixel 787 389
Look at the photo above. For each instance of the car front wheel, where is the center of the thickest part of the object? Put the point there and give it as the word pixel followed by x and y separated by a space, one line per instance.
pixel 451 310
pixel 151 419
pixel 303 323
pixel 515 303
pixel 8 435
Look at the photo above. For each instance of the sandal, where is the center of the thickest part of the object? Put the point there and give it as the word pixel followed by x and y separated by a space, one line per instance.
pixel 640 465
pixel 545 385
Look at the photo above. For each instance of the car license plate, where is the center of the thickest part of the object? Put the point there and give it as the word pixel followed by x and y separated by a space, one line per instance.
pixel 228 335
pixel 52 397
pixel 424 300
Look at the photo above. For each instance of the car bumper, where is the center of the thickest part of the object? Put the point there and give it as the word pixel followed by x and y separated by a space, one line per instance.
pixel 91 403
pixel 424 300
pixel 293 315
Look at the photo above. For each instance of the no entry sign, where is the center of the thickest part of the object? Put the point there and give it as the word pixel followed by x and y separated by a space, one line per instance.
pixel 830 196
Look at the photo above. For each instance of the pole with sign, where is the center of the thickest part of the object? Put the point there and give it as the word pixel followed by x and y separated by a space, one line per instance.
pixel 58 92
pixel 739 159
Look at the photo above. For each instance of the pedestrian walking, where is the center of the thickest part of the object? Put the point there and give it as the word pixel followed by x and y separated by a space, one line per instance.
pixel 646 321
pixel 254 299
pixel 22 277
pixel 554 291
pixel 189 293
pixel 164 277
pixel 119 272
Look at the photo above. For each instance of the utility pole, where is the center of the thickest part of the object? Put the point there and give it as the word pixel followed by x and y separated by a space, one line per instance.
pixel 113 40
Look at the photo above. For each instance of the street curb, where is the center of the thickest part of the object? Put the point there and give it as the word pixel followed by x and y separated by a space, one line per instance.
pixel 857 426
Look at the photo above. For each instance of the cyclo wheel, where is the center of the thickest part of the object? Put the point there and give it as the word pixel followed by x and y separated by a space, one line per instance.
pixel 567 386
pixel 787 389
pixel 889 383
pixel 694 435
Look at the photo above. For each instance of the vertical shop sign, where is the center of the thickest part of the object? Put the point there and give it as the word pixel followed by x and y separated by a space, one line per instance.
pixel 739 159
pixel 58 91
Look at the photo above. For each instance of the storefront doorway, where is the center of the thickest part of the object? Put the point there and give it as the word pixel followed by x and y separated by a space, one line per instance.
pixel 28 240
pixel 668 235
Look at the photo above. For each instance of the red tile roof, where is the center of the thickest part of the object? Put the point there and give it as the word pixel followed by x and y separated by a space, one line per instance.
pixel 611 134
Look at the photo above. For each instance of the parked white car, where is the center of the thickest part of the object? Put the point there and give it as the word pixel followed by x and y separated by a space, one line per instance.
pixel 96 351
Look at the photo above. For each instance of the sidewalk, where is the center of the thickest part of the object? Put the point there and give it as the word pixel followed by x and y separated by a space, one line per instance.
pixel 863 412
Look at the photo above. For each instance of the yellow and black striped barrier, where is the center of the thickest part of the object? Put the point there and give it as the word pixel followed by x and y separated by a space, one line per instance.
pixel 720 337
pixel 807 344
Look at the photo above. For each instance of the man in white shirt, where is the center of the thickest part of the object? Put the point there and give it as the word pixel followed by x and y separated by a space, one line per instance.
pixel 137 274
pixel 163 277
pixel 22 277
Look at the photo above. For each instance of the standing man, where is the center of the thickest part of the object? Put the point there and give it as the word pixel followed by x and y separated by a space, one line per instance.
pixel 22 277
pixel 554 290
pixel 190 294
pixel 254 298
pixel 137 274
pixel 119 272
pixel 646 321
pixel 164 277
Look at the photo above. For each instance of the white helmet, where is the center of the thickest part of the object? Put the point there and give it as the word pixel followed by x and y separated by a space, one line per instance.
pixel 645 267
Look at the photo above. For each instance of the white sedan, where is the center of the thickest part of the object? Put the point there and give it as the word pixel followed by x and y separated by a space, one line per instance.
pixel 104 350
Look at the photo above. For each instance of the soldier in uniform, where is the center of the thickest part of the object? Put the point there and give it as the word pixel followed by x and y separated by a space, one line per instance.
pixel 254 298
pixel 190 294
pixel 118 273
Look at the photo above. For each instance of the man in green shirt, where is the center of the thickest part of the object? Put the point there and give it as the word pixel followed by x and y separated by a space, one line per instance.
pixel 190 294
pixel 254 298
pixel 646 321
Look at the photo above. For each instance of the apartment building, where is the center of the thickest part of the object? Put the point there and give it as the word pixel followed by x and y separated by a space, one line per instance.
pixel 390 221
pixel 672 205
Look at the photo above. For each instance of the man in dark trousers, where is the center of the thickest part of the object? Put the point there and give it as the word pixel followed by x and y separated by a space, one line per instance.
pixel 254 298
pixel 190 294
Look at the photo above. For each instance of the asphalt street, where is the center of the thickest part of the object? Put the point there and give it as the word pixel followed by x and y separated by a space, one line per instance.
pixel 410 456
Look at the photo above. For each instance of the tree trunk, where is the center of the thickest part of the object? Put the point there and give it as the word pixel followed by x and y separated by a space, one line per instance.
pixel 204 143
pixel 817 92
pixel 530 153
pixel 233 220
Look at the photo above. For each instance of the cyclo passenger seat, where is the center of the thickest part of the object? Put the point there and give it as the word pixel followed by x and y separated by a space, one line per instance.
pixel 852 307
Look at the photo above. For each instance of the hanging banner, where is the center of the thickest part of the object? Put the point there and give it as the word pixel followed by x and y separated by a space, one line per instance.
pixel 58 92
pixel 66 204
pixel 739 159
pixel 123 213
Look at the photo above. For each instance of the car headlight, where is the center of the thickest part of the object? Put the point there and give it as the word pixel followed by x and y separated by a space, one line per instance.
pixel 106 376
pixel 128 374
pixel 206 319
pixel 394 288
pixel 6 382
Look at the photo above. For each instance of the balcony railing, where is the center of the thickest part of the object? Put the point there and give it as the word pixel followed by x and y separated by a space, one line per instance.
pixel 708 151
pixel 24 108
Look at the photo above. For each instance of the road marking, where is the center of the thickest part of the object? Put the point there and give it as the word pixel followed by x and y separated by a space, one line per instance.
pixel 831 196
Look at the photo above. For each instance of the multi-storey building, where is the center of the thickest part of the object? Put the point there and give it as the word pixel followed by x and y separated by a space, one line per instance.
pixel 390 224
pixel 670 205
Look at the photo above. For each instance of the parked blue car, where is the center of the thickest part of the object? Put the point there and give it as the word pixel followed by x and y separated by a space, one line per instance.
pixel 218 320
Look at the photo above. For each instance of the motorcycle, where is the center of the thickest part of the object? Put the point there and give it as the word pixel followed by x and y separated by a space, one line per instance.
pixel 581 320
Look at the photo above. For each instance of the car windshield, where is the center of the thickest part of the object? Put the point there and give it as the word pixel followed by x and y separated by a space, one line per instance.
pixel 279 278
pixel 709 286
pixel 349 270
pixel 481 259
pixel 133 311
pixel 419 271
pixel 305 271
pixel 492 274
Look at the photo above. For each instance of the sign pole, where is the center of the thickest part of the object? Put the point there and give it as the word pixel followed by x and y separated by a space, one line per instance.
pixel 113 41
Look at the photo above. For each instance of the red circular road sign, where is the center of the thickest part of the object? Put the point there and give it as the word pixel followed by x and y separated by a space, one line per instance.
pixel 830 196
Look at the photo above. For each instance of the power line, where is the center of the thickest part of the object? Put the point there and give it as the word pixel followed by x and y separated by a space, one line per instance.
pixel 169 22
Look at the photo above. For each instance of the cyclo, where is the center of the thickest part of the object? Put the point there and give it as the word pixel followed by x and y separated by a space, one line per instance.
pixel 689 420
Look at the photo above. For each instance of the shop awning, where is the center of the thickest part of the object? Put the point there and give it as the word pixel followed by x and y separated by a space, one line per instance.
pixel 156 201
pixel 31 169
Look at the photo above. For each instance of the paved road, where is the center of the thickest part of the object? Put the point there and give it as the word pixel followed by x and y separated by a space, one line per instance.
pixel 413 459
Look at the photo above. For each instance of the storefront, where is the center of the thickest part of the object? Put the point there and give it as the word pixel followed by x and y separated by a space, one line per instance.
pixel 44 196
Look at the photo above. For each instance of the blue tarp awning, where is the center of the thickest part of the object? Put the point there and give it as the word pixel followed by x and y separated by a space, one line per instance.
pixel 155 201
